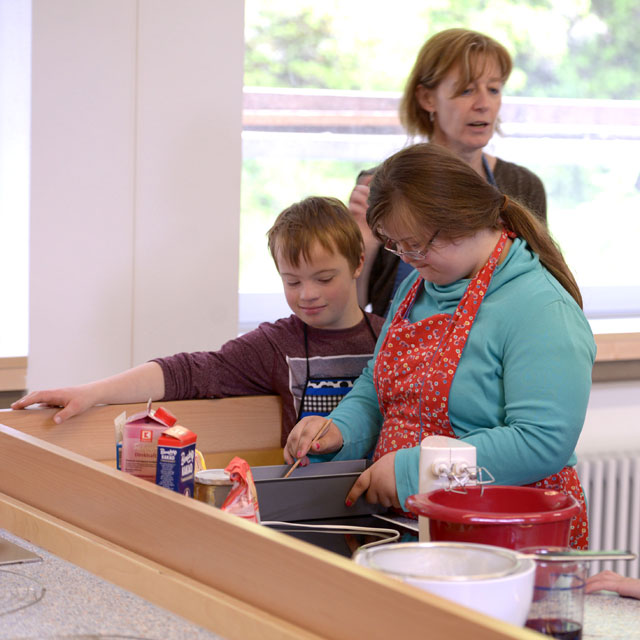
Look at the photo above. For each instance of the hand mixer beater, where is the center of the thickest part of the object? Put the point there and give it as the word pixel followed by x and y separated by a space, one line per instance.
pixel 445 463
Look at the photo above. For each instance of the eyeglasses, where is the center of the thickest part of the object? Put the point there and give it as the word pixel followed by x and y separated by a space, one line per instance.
pixel 392 246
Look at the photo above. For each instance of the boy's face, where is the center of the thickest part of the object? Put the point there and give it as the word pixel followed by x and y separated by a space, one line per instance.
pixel 321 292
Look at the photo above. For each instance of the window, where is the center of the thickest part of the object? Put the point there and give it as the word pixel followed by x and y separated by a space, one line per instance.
pixel 321 89
pixel 15 65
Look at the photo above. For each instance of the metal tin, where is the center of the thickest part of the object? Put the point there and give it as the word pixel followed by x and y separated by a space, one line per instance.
pixel 211 486
pixel 314 492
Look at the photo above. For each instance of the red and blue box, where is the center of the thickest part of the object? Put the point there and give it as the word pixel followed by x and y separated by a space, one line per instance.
pixel 175 466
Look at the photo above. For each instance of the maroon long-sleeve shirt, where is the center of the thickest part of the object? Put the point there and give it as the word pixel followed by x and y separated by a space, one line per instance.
pixel 271 360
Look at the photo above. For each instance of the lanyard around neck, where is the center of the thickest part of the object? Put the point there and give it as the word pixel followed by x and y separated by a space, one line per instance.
pixel 306 338
pixel 487 170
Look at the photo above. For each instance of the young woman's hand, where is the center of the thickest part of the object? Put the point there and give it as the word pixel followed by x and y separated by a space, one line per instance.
pixel 611 581
pixel 299 440
pixel 379 483
pixel 74 400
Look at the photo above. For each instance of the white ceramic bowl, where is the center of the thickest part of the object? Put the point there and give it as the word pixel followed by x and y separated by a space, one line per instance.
pixel 493 580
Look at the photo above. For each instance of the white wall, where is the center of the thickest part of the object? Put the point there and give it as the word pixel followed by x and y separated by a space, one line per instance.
pixel 613 418
pixel 135 182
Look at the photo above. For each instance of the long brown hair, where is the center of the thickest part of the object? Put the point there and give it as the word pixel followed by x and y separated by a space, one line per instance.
pixel 469 50
pixel 428 188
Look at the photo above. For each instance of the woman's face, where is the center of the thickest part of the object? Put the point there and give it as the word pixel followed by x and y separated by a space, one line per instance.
pixel 464 123
pixel 443 260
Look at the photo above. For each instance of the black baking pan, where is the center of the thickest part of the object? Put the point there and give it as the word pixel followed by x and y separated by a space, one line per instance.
pixel 314 492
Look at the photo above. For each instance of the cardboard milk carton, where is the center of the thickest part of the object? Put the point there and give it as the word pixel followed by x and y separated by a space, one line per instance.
pixel 175 468
pixel 140 435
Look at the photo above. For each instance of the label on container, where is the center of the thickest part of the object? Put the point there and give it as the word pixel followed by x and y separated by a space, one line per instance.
pixel 139 449
pixel 139 435
pixel 176 457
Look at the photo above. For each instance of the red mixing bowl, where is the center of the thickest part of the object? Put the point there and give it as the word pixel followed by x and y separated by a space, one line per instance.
pixel 512 517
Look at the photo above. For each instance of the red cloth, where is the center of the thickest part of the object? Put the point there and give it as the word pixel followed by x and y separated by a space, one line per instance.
pixel 567 481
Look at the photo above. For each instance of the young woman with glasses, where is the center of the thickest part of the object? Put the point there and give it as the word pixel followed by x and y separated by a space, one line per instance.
pixel 486 342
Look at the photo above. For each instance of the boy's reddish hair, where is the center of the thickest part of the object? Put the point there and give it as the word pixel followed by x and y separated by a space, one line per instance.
pixel 321 219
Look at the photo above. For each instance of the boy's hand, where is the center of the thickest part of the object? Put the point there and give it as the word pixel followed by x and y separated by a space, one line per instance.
pixel 304 432
pixel 379 482
pixel 74 400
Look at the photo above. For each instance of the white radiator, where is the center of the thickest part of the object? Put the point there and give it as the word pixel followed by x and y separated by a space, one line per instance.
pixel 612 485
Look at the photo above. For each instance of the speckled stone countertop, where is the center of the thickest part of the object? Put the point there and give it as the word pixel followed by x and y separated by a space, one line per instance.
pixel 607 616
pixel 77 604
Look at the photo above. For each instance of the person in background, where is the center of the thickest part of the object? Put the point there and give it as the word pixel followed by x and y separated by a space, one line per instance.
pixel 358 206
pixel 486 342
pixel 452 98
pixel 611 581
pixel 310 359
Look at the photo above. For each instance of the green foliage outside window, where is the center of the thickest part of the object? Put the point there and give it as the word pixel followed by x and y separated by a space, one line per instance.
pixel 571 49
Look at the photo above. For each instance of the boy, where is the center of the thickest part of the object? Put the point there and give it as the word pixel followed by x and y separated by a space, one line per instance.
pixel 310 358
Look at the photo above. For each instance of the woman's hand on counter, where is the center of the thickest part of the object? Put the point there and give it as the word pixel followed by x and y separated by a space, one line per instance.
pixel 379 483
pixel 299 440
pixel 611 581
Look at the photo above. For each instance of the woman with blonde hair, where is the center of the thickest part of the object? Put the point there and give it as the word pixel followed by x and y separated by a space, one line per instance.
pixel 452 98
pixel 486 342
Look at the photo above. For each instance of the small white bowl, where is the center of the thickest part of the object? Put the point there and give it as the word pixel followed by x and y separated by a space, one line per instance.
pixel 493 580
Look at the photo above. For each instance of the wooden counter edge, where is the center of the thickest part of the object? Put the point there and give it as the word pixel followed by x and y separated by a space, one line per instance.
pixel 248 423
pixel 292 581
pixel 614 347
pixel 203 605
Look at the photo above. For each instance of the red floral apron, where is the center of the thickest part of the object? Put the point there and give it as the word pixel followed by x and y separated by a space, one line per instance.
pixel 414 371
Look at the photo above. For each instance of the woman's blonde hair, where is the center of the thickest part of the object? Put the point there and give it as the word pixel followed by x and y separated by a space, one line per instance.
pixel 315 219
pixel 469 50
pixel 427 188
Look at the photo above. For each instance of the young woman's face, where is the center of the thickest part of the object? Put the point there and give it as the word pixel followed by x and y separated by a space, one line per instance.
pixel 443 261
pixel 464 123
pixel 322 291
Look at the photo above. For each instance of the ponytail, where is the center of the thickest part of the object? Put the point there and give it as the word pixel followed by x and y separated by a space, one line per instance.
pixel 432 188
pixel 519 219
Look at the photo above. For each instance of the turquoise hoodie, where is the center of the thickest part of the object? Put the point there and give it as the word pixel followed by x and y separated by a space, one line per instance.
pixel 521 389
